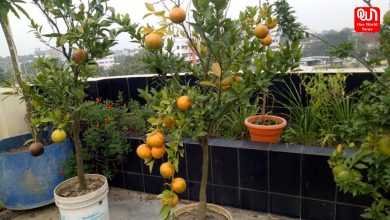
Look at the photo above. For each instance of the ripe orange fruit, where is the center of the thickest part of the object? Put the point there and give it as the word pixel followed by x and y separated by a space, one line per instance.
pixel 79 56
pixel 58 136
pixel 177 15
pixel 153 41
pixel 169 122
pixel 271 23
pixel 183 103
pixel 166 170
pixel 155 139
pixel 174 200
pixel 266 41
pixel 143 151
pixel 261 31
pixel 178 185
pixel 158 152
pixel 36 149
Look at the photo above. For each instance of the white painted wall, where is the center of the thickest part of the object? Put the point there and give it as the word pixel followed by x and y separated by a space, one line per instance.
pixel 12 115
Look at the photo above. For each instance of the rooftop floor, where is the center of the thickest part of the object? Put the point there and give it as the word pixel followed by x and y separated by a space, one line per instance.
pixel 124 205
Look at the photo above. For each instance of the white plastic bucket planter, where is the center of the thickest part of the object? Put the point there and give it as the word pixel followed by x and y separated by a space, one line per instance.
pixel 92 206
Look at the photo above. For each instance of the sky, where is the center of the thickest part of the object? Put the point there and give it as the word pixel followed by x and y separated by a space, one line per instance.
pixel 316 15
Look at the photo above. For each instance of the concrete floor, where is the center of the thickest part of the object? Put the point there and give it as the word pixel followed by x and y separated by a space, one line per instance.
pixel 124 205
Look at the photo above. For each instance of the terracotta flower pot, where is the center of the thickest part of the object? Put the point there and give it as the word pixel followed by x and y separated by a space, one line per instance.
pixel 265 133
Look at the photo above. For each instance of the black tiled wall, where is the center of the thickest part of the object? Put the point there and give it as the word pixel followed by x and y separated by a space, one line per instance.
pixel 288 180
pixel 108 88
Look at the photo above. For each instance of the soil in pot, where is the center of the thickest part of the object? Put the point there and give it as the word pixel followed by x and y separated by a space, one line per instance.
pixel 265 122
pixel 74 190
pixel 210 215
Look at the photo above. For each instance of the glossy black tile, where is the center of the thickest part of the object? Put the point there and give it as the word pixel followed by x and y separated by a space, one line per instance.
pixel 104 90
pixel 92 90
pixel 284 205
pixel 226 196
pixel 225 166
pixel 255 145
pixel 320 151
pixel 154 184
pixel 286 148
pixel 155 170
pixel 362 200
pixel 317 178
pixel 194 161
pixel 348 212
pixel 136 83
pixel 134 182
pixel 253 169
pixel 284 172
pixel 119 85
pixel 317 210
pixel 117 179
pixel 223 142
pixel 194 188
pixel 133 163
pixel 254 200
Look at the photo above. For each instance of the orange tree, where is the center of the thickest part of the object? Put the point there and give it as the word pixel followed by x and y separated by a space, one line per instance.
pixel 81 32
pixel 367 171
pixel 234 63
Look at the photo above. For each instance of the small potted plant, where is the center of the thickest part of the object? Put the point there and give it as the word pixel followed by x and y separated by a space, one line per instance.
pixel 225 49
pixel 87 36
pixel 271 66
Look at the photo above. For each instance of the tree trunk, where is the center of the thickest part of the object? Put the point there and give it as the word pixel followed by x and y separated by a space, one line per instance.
pixel 79 153
pixel 15 63
pixel 202 207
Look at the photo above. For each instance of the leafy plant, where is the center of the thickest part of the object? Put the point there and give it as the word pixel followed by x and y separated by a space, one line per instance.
pixel 327 118
pixel 139 115
pixel 106 126
pixel 233 126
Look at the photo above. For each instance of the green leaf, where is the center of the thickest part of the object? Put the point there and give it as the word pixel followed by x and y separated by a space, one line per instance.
pixel 147 15
pixel 149 6
pixel 361 166
pixel 207 83
pixel 62 40
pixel 153 121
pixel 164 211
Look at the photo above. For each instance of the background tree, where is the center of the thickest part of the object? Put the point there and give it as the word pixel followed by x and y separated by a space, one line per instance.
pixel 14 6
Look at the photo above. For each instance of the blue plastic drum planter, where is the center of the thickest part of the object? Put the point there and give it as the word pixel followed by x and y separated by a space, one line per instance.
pixel 27 182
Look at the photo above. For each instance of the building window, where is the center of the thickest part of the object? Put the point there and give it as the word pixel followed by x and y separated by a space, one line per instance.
pixel 184 47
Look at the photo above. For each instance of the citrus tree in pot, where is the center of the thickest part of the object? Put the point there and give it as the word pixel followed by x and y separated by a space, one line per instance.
pixel 87 35
pixel 271 66
pixel 32 179
pixel 224 51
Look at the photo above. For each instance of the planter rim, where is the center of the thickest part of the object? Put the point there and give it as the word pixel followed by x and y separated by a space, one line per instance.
pixel 216 208
pixel 283 122
pixel 81 199
pixel 26 151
